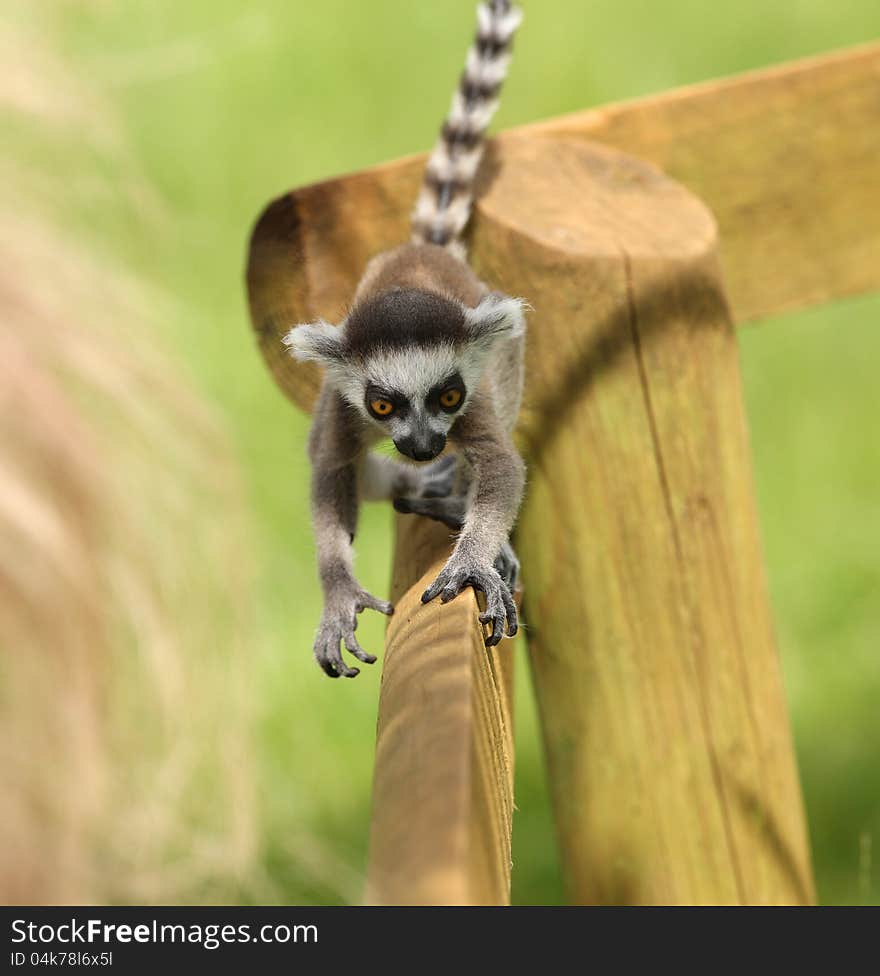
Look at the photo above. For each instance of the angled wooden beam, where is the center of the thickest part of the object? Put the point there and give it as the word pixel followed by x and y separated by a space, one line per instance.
pixel 785 158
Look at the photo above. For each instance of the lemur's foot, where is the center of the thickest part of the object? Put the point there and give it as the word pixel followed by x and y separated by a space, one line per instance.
pixel 507 566
pixel 459 573
pixel 449 510
pixel 438 479
pixel 338 624
pixel 433 496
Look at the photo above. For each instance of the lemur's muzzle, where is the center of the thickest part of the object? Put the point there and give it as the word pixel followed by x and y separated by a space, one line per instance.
pixel 421 448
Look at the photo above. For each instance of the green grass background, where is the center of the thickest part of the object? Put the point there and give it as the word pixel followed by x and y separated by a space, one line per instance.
pixel 223 105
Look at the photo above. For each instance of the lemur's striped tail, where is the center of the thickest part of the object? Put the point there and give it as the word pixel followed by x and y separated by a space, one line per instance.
pixel 444 204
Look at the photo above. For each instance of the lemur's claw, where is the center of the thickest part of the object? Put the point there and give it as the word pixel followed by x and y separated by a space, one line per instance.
pixel 338 625
pixel 497 611
pixel 500 608
pixel 432 591
pixel 353 647
pixel 329 657
pixel 366 601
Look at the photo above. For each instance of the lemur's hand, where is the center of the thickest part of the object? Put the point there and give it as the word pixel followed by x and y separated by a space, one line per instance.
pixel 460 572
pixel 338 624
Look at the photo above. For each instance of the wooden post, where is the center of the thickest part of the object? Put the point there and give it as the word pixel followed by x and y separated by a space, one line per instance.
pixel 672 770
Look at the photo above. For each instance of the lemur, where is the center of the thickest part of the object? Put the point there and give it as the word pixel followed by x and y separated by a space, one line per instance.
pixel 427 356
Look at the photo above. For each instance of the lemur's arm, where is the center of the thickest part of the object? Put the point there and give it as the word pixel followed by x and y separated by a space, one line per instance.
pixel 336 448
pixel 498 478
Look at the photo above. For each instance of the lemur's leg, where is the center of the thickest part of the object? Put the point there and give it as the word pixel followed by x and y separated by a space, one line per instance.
pixel 427 491
pixel 451 511
pixel 507 565
pixel 498 478
pixel 335 449
pixel 384 479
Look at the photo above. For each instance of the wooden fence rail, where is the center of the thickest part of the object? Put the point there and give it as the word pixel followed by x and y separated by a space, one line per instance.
pixel 649 628
pixel 443 783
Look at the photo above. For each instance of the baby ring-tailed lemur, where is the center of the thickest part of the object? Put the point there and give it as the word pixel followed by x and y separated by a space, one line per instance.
pixel 427 354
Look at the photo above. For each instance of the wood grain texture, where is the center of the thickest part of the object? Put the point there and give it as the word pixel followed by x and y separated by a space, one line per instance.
pixel 665 724
pixel 443 781
pixel 785 158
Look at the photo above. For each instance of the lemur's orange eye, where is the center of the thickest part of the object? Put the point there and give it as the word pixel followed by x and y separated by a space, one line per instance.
pixel 450 399
pixel 382 407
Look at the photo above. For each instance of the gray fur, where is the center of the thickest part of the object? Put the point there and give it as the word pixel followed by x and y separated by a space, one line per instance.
pixel 421 325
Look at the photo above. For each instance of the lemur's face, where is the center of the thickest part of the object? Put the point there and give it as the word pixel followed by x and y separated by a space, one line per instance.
pixel 414 394
pixel 410 361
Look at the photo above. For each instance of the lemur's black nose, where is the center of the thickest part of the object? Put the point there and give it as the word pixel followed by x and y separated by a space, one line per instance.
pixel 421 450
pixel 438 442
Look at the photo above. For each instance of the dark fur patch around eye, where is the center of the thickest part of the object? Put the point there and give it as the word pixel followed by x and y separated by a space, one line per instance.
pixel 453 382
pixel 403 317
pixel 400 402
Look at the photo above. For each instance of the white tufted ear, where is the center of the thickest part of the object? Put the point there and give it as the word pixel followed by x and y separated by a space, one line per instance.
pixel 496 315
pixel 318 342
